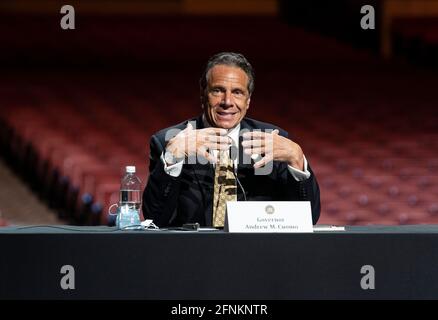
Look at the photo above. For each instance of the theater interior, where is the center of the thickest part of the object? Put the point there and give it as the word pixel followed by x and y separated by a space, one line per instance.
pixel 76 106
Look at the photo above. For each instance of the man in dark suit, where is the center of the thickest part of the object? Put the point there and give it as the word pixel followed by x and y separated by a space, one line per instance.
pixel 264 163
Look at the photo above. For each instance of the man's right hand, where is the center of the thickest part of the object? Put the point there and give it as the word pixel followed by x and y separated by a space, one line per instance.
pixel 190 142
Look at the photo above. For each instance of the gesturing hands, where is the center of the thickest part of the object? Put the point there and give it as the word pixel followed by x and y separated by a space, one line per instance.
pixel 271 146
pixel 190 142
pixel 274 148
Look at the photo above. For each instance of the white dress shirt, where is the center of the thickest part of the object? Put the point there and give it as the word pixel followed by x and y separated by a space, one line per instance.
pixel 175 169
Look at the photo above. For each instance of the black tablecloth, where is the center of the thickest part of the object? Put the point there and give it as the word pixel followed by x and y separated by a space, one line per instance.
pixel 113 264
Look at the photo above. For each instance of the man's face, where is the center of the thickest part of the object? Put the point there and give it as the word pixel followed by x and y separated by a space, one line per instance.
pixel 226 98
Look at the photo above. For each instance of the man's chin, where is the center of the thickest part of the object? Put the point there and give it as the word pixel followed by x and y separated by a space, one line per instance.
pixel 227 124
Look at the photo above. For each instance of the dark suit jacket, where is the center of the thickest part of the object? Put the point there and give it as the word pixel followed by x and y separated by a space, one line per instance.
pixel 188 198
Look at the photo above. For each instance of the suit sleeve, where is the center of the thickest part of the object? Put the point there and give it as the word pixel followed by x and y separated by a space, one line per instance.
pixel 293 190
pixel 306 190
pixel 160 196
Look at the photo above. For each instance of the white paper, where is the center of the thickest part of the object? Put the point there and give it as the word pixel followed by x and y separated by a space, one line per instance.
pixel 269 216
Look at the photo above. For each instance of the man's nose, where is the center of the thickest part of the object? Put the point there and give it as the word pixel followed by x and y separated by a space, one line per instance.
pixel 227 100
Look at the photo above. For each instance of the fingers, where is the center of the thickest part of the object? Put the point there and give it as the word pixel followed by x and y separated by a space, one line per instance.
pixel 259 143
pixel 264 161
pixel 259 135
pixel 216 146
pixel 207 155
pixel 212 141
pixel 216 139
pixel 209 138
pixel 214 131
pixel 254 135
pixel 253 143
pixel 216 142
pixel 254 150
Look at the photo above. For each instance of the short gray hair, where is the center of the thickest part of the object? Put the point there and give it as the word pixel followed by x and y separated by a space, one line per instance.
pixel 229 59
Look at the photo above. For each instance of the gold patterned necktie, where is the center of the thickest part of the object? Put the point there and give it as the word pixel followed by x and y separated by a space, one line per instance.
pixel 224 187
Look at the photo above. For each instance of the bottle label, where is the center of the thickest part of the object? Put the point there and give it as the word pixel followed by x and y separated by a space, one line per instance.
pixel 128 217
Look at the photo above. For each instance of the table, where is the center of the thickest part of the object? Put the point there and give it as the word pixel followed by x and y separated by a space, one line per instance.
pixel 201 265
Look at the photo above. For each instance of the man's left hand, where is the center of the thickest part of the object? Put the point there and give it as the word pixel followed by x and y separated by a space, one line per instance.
pixel 273 147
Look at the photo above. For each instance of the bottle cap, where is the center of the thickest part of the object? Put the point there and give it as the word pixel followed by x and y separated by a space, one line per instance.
pixel 130 169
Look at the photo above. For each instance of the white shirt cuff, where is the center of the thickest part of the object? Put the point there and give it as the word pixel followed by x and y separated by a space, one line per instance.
pixel 173 170
pixel 298 174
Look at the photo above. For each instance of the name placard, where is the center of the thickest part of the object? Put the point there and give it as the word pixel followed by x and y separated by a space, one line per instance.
pixel 268 216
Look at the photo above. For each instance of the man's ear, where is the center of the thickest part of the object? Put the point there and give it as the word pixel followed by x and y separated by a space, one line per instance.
pixel 247 103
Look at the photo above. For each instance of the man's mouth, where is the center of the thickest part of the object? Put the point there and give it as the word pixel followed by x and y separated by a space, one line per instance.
pixel 225 115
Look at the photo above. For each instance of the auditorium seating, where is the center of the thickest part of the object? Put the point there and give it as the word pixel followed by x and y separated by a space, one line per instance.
pixel 367 127
pixel 3 222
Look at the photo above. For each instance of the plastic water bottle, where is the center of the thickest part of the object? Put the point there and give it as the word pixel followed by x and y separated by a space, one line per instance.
pixel 130 189
pixel 130 199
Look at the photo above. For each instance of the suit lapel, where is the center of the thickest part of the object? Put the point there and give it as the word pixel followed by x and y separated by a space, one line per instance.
pixel 245 163
pixel 204 174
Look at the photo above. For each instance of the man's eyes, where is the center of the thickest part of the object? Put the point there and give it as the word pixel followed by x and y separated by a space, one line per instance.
pixel 216 91
pixel 234 92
